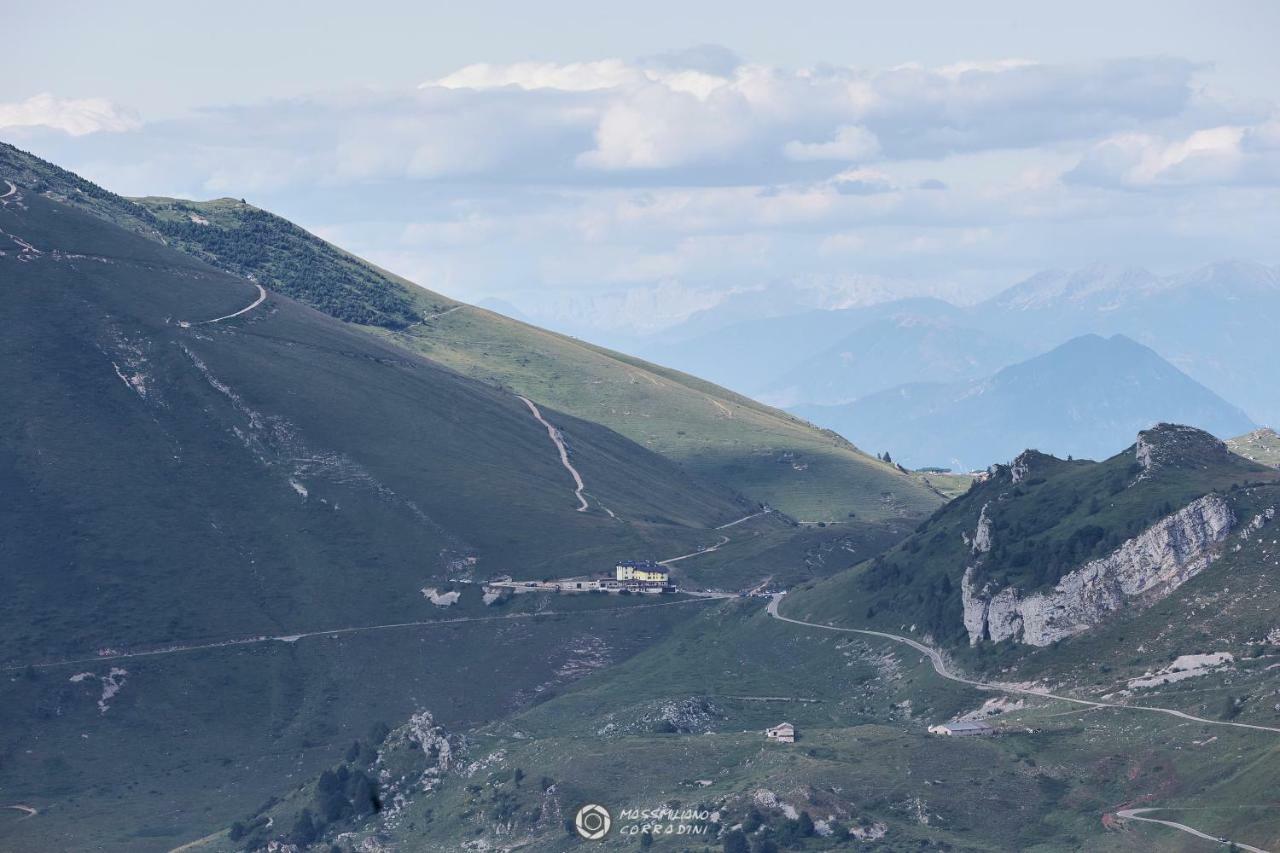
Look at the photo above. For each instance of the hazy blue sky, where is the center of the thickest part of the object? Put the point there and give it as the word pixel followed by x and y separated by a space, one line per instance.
pixel 636 162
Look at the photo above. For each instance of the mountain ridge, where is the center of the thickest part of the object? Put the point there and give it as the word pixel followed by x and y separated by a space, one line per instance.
pixel 1076 399
pixel 759 451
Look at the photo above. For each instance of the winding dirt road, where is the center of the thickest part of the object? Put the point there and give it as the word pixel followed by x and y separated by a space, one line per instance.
pixel 564 453
pixel 940 667
pixel 29 811
pixel 738 521
pixel 724 540
pixel 12 189
pixel 427 318
pixel 1134 814
pixel 262 297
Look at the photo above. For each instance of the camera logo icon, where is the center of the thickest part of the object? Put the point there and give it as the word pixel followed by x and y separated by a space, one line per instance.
pixel 592 822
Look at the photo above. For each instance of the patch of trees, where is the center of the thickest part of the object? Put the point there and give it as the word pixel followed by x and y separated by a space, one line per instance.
pixel 763 833
pixel 288 260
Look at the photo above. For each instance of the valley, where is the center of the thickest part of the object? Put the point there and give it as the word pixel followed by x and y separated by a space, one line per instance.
pixel 253 490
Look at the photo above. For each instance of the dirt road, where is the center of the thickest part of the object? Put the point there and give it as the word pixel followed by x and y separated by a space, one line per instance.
pixel 262 297
pixel 337 632
pixel 940 667
pixel 1134 814
pixel 564 453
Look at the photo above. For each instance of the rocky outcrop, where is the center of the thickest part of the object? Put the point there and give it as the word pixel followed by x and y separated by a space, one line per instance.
pixel 982 534
pixel 1144 569
pixel 1174 445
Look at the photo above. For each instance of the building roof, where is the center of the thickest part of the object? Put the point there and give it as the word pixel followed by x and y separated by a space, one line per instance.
pixel 781 726
pixel 967 726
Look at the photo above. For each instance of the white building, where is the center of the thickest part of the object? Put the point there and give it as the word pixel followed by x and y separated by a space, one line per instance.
pixel 782 733
pixel 961 728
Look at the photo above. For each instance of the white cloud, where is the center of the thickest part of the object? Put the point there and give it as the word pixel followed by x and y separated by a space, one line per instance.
pixel 75 116
pixel 571 77
pixel 850 143
pixel 1209 156
pixel 862 181
pixel 692 173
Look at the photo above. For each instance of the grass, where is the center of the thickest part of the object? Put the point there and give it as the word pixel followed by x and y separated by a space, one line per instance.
pixel 1060 515
pixel 134 521
pixel 772 457
pixel 1262 446
pixel 765 454
pixel 863 757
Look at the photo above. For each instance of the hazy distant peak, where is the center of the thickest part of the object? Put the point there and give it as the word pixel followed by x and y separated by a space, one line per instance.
pixel 1236 274
pixel 1088 284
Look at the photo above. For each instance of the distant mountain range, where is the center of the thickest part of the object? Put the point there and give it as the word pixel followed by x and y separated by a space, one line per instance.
pixel 1215 324
pixel 1081 399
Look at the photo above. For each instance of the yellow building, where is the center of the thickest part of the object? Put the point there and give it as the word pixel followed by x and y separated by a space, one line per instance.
pixel 643 571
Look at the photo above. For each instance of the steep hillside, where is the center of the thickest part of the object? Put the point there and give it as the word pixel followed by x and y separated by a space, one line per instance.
pixel 765 454
pixel 1261 445
pixel 1044 549
pixel 1080 399
pixel 228 524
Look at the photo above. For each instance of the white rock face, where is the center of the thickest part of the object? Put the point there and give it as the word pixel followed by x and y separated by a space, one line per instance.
pixel 1020 467
pixel 982 535
pixel 1143 570
pixel 440 599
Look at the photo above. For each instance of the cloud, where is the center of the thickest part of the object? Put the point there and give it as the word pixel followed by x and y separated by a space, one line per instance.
pixel 705 108
pixel 1210 156
pixel 73 116
pixel 696 172
pixel 862 182
pixel 850 143
pixel 700 117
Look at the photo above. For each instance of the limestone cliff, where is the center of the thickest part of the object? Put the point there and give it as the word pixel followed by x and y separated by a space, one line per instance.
pixel 1144 569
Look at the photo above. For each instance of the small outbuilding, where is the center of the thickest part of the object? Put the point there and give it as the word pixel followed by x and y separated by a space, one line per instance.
pixel 962 728
pixel 782 733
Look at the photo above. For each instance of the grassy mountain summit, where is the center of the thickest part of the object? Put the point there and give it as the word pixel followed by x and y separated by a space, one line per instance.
pixel 766 454
pixel 1261 445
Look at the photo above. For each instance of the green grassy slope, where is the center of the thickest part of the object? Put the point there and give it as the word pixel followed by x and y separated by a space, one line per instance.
pixel 765 454
pixel 1261 445
pixel 202 462
pixel 168 483
pixel 680 725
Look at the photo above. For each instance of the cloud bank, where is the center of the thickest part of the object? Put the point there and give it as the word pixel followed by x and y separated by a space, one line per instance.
pixel 76 117
pixel 697 173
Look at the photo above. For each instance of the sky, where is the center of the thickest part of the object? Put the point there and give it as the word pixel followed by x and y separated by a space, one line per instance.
pixel 618 167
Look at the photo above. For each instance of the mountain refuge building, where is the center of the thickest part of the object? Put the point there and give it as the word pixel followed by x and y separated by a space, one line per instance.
pixel 644 571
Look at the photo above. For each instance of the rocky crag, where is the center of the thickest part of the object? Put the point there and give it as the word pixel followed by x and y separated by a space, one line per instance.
pixel 1144 569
